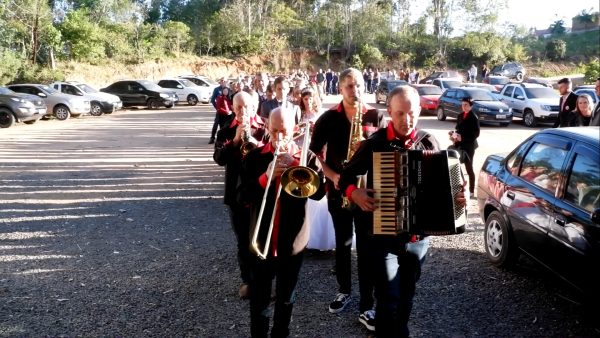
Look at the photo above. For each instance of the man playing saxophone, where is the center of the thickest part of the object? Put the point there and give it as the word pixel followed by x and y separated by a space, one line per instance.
pixel 339 130
pixel 236 138
pixel 282 218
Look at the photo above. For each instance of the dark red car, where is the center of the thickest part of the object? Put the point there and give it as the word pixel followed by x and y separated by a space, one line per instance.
pixel 430 96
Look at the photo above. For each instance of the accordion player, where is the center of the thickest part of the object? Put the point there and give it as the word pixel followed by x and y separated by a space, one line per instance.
pixel 415 192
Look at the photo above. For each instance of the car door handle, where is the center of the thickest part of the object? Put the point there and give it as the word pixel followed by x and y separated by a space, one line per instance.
pixel 510 195
pixel 560 221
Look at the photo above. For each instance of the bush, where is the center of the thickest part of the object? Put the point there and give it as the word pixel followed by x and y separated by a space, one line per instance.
pixel 370 54
pixel 38 74
pixel 592 70
pixel 356 62
pixel 10 63
pixel 556 49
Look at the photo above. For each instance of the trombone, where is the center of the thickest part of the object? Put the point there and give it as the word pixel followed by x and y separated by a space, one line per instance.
pixel 298 181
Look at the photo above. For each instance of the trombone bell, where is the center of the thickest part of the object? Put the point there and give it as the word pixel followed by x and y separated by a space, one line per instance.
pixel 300 182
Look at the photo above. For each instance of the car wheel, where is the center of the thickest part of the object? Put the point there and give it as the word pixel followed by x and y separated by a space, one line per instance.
pixel 529 119
pixel 153 104
pixel 7 119
pixel 192 100
pixel 440 114
pixel 519 76
pixel 170 105
pixel 96 109
pixel 500 245
pixel 62 112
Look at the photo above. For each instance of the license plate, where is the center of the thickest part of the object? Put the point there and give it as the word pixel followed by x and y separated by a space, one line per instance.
pixel 500 116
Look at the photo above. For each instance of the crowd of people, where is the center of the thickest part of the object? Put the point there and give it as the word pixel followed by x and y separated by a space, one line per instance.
pixel 577 110
pixel 268 125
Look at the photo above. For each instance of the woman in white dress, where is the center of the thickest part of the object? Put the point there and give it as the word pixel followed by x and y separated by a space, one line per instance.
pixel 322 235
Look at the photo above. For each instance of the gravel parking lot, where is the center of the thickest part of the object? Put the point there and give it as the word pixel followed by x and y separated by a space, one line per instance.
pixel 114 226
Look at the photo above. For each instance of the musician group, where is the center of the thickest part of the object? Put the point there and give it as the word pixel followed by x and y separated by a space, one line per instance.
pixel 277 154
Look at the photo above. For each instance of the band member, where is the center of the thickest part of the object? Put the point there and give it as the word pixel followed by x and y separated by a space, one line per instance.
pixel 397 260
pixel 465 138
pixel 332 130
pixel 228 153
pixel 290 233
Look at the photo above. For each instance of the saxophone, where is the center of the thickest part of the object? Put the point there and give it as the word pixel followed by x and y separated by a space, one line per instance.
pixel 355 138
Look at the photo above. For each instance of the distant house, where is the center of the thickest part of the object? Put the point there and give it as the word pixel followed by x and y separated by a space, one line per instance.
pixel 542 33
pixel 583 23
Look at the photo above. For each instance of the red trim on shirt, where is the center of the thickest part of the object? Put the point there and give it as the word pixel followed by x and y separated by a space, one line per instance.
pixel 350 190
pixel 365 107
pixel 262 180
pixel 391 134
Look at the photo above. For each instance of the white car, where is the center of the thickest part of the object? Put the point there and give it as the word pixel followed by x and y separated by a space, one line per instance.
pixel 532 102
pixel 207 86
pixel 186 90
pixel 99 102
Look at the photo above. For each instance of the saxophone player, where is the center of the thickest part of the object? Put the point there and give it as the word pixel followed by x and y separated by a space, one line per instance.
pixel 338 130
pixel 233 140
pixel 261 177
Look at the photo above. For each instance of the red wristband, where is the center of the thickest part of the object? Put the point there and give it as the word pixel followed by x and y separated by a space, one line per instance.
pixel 349 191
pixel 262 180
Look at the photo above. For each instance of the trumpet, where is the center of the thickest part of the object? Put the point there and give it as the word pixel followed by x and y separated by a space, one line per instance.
pixel 298 181
pixel 248 142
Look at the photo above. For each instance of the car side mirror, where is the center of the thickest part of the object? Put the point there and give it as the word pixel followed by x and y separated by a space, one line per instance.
pixel 179 87
pixel 596 216
pixel 41 94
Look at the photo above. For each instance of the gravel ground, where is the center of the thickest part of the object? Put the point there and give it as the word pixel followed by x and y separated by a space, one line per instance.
pixel 114 226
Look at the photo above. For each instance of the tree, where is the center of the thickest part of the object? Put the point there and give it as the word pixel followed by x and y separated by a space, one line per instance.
pixel 556 49
pixel 84 38
pixel 557 27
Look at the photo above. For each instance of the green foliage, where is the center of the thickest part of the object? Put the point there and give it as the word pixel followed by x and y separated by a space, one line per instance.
pixel 356 62
pixel 37 74
pixel 558 27
pixel 10 63
pixel 556 49
pixel 592 70
pixel 370 54
pixel 85 38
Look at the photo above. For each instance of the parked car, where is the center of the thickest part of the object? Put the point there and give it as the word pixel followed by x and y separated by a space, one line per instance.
pixel 61 105
pixel 485 105
pixel 99 102
pixel 142 93
pixel 16 107
pixel 446 74
pixel 532 102
pixel 584 87
pixel 207 86
pixel 512 70
pixel 186 90
pixel 496 81
pixel 543 200
pixel 446 84
pixel 385 87
pixel 538 80
pixel 591 92
pixel 484 86
pixel 430 95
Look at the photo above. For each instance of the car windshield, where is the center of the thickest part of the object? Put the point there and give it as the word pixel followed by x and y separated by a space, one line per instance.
pixel 150 85
pixel 6 91
pixel 210 82
pixel 393 84
pixel 498 80
pixel 452 84
pixel 435 90
pixel 541 93
pixel 187 83
pixel 481 95
pixel 48 89
pixel 86 88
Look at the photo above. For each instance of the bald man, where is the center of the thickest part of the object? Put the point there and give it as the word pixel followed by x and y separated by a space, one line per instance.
pixel 394 261
pixel 228 154
pixel 290 233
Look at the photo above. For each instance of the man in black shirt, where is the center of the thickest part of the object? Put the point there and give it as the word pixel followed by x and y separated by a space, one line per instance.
pixel 332 130
pixel 395 260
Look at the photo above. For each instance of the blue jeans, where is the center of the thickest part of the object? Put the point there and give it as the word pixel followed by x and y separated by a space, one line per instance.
pixel 397 270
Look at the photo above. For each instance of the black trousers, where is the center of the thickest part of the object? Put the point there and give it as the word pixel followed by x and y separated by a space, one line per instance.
pixel 285 270
pixel 343 221
pixel 240 223
pixel 220 120
pixel 470 152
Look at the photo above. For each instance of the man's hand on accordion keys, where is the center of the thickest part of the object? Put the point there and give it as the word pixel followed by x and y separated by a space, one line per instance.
pixel 362 198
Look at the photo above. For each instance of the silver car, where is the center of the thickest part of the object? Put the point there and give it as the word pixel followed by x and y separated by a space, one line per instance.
pixel 62 106
pixel 99 102
pixel 17 107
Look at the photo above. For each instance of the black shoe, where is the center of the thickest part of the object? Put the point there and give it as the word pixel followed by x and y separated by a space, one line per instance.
pixel 339 303
pixel 211 141
pixel 367 319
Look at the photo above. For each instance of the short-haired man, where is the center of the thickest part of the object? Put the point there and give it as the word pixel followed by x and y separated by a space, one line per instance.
pixel 332 131
pixel 290 233
pixel 282 88
pixel 567 104
pixel 228 153
pixel 213 99
pixel 595 121
pixel 396 261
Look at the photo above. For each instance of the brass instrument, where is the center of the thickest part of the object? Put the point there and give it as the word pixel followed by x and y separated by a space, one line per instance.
pixel 355 139
pixel 298 181
pixel 248 142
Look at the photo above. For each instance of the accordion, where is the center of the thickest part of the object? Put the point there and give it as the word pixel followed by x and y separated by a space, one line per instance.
pixel 415 190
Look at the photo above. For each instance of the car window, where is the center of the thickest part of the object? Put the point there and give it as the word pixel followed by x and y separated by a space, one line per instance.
pixel 542 165
pixel 429 90
pixel 513 161
pixel 460 94
pixel 583 188
pixel 519 92
pixel 450 94
pixel 69 89
pixel 509 90
pixel 541 93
